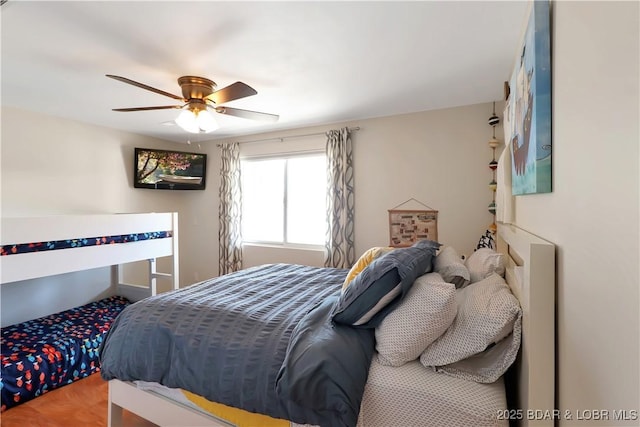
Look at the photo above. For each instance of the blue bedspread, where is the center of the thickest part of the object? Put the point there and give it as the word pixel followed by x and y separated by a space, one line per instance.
pixel 42 354
pixel 226 339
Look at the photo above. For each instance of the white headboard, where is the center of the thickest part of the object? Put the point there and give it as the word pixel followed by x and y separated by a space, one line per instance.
pixel 530 272
pixel 30 265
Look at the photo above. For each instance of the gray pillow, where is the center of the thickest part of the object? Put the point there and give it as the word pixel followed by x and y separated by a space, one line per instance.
pixel 451 267
pixel 426 312
pixel 488 316
pixel 381 286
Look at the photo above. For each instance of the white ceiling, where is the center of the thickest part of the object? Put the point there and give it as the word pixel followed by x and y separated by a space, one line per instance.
pixel 311 62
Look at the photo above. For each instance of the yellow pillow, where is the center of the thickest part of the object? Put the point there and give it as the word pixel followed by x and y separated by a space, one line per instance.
pixel 362 263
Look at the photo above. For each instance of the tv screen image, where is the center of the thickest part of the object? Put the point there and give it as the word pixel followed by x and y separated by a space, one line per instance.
pixel 169 170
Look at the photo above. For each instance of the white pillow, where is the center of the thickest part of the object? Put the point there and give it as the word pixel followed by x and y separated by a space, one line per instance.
pixel 426 312
pixel 451 267
pixel 487 314
pixel 491 364
pixel 484 262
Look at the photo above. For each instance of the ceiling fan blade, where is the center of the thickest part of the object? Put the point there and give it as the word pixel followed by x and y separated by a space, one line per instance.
pixel 144 86
pixel 165 107
pixel 234 91
pixel 247 114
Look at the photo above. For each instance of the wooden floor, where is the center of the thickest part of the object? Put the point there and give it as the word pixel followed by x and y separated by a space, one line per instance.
pixel 81 404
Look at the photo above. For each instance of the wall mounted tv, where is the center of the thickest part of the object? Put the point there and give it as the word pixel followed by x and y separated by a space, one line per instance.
pixel 169 170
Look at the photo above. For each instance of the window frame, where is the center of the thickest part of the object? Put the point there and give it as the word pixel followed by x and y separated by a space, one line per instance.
pixel 283 156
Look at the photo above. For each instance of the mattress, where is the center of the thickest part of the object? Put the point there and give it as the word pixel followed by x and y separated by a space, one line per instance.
pixel 414 396
pixel 46 353
pixel 409 396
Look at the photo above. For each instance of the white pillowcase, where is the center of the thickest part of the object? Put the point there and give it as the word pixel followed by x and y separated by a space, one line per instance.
pixel 426 312
pixel 491 364
pixel 484 262
pixel 488 313
pixel 451 267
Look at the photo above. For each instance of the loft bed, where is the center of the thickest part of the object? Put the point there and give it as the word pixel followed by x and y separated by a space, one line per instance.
pixel 530 274
pixel 34 247
pixel 42 354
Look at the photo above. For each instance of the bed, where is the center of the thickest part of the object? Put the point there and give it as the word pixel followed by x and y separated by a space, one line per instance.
pixel 42 354
pixel 530 275
pixel 407 394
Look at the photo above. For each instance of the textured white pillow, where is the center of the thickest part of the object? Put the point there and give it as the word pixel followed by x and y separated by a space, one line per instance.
pixel 450 266
pixel 491 364
pixel 426 312
pixel 484 262
pixel 487 313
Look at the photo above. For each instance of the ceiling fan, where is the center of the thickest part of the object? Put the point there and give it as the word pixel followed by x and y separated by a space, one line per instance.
pixel 199 98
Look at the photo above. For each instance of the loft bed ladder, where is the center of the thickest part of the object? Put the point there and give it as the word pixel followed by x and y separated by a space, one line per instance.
pixel 135 292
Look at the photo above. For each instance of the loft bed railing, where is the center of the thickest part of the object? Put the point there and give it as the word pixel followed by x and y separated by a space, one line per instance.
pixel 34 247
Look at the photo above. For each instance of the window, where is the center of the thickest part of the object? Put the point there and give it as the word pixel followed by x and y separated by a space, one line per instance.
pixel 284 199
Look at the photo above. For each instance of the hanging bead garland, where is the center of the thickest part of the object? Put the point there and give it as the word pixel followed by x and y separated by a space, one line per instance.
pixel 493 165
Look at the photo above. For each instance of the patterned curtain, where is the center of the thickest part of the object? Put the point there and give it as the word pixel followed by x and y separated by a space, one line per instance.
pixel 230 211
pixel 340 250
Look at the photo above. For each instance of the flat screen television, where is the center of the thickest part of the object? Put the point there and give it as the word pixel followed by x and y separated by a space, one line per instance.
pixel 169 170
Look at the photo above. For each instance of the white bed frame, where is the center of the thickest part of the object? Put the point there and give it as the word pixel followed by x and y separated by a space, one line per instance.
pixel 530 272
pixel 18 267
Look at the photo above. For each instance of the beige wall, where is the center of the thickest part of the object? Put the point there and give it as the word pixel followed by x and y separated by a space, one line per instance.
pixel 439 158
pixel 592 215
pixel 54 166
pixel 61 166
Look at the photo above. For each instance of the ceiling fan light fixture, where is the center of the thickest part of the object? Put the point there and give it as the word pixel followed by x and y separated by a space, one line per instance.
pixel 187 121
pixel 196 121
pixel 206 122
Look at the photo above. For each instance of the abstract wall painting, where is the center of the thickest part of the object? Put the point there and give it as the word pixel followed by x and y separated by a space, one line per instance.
pixel 529 107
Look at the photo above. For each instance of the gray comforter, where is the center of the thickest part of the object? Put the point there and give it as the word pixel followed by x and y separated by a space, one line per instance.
pixel 259 339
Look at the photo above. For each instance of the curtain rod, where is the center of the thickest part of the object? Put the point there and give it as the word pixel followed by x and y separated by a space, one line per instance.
pixel 282 138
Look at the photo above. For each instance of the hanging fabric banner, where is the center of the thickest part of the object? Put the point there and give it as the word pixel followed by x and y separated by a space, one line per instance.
pixel 408 226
